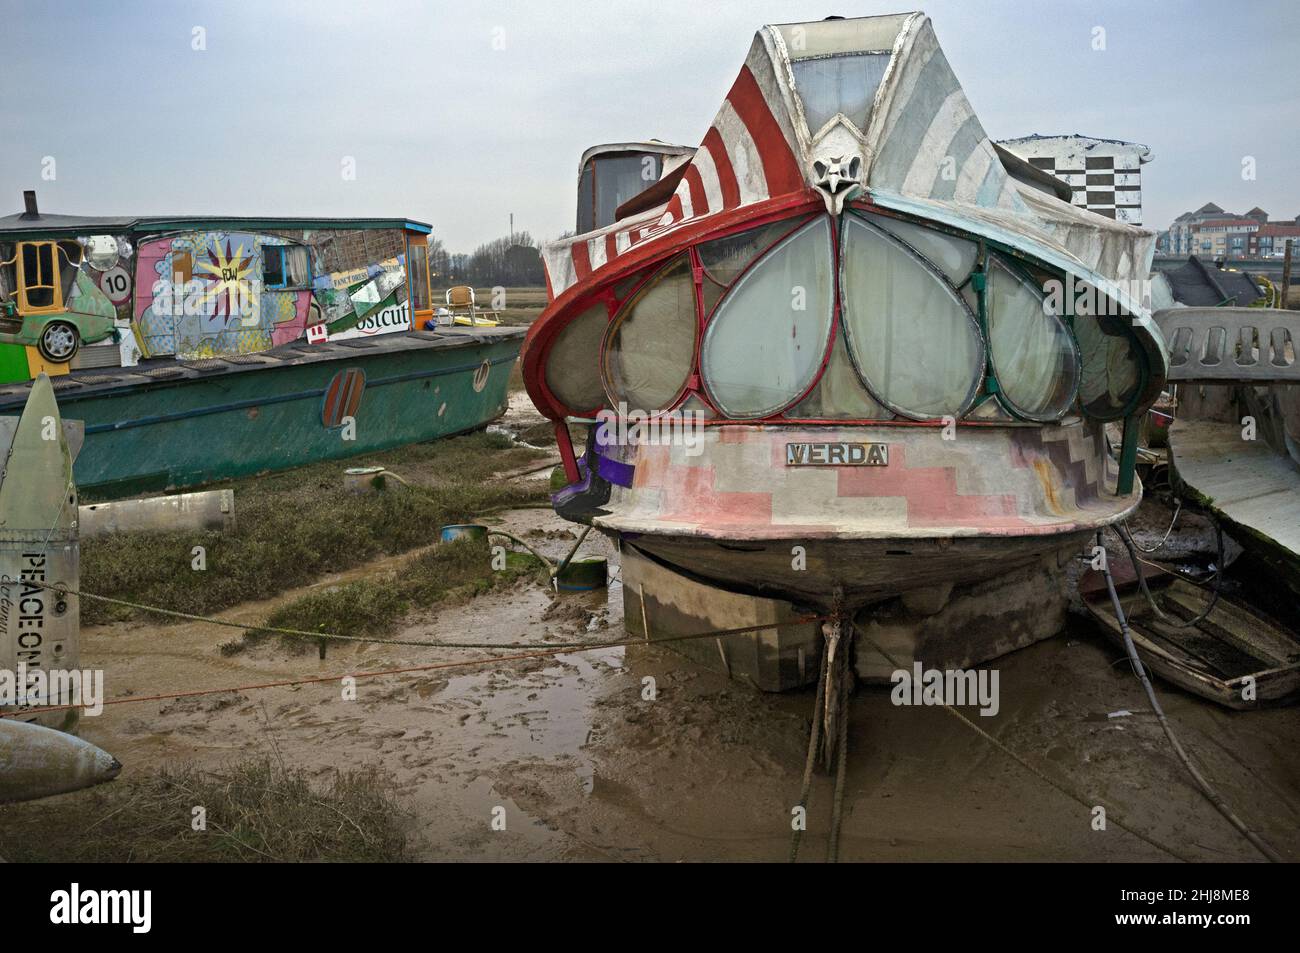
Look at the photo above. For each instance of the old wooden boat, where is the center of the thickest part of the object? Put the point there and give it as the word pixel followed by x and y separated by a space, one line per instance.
pixel 1234 445
pixel 844 349
pixel 198 349
pixel 1235 656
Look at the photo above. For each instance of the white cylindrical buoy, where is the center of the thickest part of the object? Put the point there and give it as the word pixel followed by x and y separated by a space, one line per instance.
pixel 206 510
pixel 36 761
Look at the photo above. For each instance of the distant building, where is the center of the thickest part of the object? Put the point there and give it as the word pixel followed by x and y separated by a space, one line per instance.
pixel 1270 240
pixel 1178 240
pixel 1104 175
pixel 1211 233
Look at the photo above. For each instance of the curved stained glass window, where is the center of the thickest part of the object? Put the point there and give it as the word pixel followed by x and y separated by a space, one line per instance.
pixel 650 348
pixel 1033 354
pixel 910 334
pixel 839 394
pixel 1111 371
pixel 725 258
pixel 954 256
pixel 573 365
pixel 766 342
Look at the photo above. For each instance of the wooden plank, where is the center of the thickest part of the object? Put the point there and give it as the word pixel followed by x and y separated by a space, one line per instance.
pixel 1246 631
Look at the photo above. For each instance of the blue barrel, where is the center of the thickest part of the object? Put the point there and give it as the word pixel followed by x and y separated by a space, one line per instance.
pixel 455 531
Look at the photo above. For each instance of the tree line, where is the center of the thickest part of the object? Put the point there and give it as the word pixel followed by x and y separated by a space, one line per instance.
pixel 510 261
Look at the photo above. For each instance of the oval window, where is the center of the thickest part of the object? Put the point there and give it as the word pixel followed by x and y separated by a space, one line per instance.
pixel 954 256
pixel 1111 372
pixel 573 365
pixel 650 347
pixel 723 259
pixel 766 342
pixel 916 344
pixel 1034 356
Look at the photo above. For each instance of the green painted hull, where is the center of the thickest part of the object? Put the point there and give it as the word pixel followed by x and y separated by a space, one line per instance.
pixel 196 423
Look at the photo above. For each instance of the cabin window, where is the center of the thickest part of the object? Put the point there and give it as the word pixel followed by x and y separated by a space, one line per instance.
pixel 650 348
pixel 609 180
pixel 417 257
pixel 766 342
pixel 1033 355
pixel 38 288
pixel 1111 370
pixel 724 259
pixel 910 334
pixel 953 256
pixel 844 83
pixel 70 256
pixel 272 266
pixel 571 366
pixel 839 395
pixel 285 266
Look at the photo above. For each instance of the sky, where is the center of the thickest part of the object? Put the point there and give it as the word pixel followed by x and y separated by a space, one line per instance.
pixel 461 113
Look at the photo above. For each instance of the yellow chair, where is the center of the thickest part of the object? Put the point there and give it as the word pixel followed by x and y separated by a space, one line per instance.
pixel 464 309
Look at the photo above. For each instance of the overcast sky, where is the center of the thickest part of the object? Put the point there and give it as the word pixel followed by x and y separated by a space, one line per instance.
pixel 446 127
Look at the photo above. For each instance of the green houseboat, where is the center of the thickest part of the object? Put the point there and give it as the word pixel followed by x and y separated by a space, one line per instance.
pixel 198 349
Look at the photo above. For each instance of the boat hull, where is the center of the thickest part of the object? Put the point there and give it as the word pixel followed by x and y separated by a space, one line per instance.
pixel 171 424
pixel 736 507
pixel 858 571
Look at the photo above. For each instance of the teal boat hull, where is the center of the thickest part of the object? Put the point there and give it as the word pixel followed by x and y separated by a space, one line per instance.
pixel 170 424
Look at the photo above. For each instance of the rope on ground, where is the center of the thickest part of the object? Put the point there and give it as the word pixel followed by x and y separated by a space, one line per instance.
pixel 1209 792
pixel 814 739
pixel 842 755
pixel 550 649
pixel 1078 799
pixel 305 680
pixel 416 643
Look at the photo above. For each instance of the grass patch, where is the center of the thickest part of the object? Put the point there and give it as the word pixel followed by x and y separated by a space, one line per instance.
pixel 257 810
pixel 295 526
pixel 374 606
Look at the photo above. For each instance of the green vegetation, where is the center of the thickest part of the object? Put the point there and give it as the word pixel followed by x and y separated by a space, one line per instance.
pixel 293 527
pixel 256 810
pixel 374 606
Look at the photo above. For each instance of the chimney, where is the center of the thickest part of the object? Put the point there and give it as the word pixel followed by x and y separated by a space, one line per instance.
pixel 29 205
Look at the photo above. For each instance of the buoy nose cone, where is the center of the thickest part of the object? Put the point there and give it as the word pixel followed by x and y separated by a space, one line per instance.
pixel 114 769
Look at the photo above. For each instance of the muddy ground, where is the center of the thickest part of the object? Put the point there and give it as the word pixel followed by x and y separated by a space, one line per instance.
pixel 586 768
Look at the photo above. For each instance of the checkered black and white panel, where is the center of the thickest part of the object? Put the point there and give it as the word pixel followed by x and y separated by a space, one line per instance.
pixel 1107 185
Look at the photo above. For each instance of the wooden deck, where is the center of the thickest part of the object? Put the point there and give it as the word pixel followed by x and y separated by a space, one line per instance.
pixel 1246 483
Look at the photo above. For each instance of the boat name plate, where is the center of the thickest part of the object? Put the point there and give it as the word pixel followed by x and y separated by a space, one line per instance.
pixel 837 453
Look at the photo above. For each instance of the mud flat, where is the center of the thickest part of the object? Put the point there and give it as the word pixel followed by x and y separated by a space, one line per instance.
pixel 586 768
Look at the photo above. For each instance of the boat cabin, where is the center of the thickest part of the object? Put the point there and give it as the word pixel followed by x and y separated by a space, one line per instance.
pixel 84 292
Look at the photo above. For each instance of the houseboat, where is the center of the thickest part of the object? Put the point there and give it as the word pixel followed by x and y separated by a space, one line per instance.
pixel 880 352
pixel 202 348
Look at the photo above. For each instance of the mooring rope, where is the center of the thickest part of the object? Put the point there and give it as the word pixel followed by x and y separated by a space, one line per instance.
pixel 1209 792
pixel 814 738
pixel 540 651
pixel 305 680
pixel 1079 799
pixel 416 643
